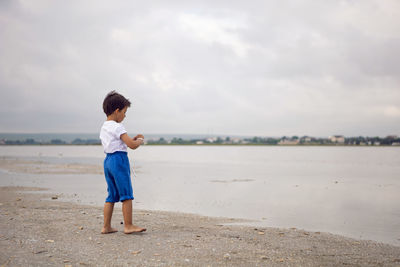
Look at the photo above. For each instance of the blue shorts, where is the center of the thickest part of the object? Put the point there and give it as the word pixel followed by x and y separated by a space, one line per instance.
pixel 118 177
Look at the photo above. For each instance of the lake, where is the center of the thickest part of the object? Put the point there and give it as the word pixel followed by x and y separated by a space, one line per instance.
pixel 352 191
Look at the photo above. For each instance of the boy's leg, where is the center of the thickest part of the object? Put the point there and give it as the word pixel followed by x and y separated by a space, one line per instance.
pixel 127 212
pixel 108 211
pixel 112 196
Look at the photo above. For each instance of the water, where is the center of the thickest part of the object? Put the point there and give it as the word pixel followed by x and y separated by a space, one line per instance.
pixel 352 191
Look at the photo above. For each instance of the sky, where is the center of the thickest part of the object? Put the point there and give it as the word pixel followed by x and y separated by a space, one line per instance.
pixel 265 68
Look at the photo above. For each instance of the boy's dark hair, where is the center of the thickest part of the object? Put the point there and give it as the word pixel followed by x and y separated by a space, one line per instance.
pixel 114 101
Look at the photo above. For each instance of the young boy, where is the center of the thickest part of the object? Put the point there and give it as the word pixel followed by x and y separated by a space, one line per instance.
pixel 115 142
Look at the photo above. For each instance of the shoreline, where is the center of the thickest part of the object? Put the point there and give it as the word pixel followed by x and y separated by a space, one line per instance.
pixel 38 230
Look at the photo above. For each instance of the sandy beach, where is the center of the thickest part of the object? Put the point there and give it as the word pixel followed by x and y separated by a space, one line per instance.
pixel 37 230
pixel 45 228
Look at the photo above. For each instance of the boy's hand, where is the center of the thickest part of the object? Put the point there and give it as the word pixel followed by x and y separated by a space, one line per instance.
pixel 132 143
pixel 138 136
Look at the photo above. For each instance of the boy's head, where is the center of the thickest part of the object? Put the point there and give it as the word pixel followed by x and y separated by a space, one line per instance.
pixel 114 101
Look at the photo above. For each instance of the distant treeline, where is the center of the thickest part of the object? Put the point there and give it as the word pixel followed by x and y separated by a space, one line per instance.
pixel 293 140
pixel 31 141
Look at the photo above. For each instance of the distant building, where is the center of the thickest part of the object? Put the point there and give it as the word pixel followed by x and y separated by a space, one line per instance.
pixel 211 139
pixel 236 140
pixel 288 142
pixel 306 139
pixel 339 139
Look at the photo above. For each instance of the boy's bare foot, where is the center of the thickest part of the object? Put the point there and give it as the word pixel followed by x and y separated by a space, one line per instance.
pixel 108 230
pixel 133 229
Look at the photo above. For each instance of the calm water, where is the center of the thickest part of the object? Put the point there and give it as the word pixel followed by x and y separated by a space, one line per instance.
pixel 353 191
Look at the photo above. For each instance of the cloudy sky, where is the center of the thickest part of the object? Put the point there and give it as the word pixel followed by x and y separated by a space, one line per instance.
pixel 267 68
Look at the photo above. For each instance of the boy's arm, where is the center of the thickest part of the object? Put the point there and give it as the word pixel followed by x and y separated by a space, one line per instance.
pixel 133 144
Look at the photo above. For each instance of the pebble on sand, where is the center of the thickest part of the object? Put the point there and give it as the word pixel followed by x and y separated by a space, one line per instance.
pixel 136 252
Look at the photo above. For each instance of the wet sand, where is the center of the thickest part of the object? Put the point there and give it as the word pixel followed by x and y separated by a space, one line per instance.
pixel 37 230
pixel 18 165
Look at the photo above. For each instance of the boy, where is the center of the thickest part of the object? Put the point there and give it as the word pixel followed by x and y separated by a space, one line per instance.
pixel 115 142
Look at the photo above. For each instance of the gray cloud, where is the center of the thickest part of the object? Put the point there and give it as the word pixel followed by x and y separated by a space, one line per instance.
pixel 269 68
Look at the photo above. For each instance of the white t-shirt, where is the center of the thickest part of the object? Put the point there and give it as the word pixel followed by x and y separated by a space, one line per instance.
pixel 110 136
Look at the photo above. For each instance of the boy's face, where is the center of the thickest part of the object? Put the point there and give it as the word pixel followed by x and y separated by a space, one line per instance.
pixel 120 114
